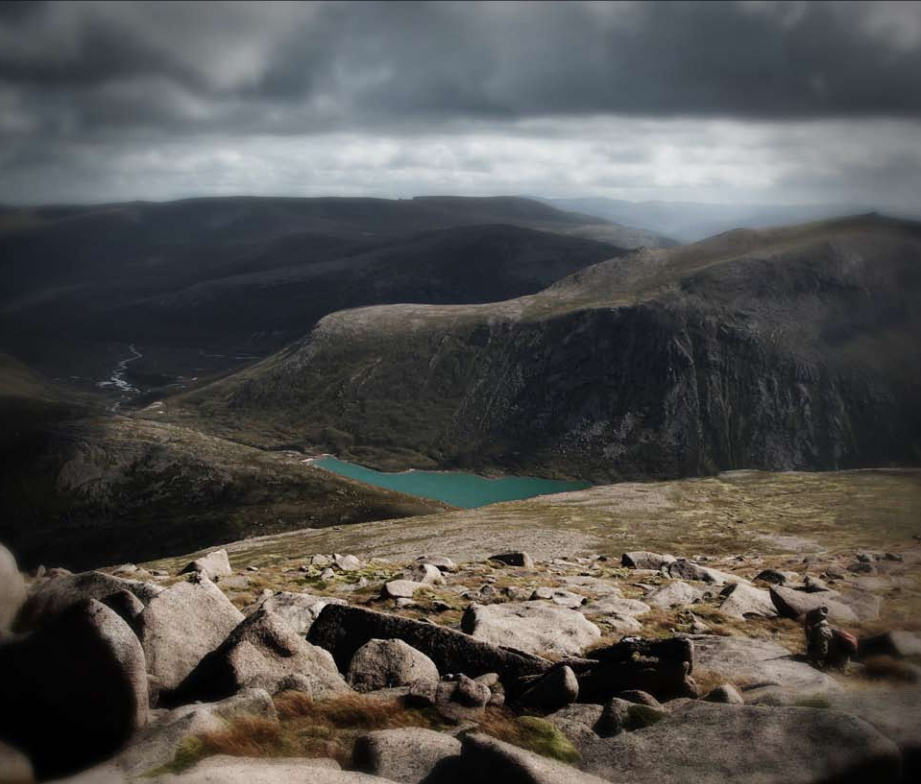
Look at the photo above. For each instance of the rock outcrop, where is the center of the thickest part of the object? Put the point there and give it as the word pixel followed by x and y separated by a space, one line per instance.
pixel 260 653
pixel 74 691
pixel 180 626
pixel 383 664
pixel 214 565
pixel 53 595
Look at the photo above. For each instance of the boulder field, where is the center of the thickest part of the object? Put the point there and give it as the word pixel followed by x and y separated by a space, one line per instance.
pixel 310 669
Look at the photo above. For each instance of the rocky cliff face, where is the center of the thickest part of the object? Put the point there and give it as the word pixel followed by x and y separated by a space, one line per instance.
pixel 792 349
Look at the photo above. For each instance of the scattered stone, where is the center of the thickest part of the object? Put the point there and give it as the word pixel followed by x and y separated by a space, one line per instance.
pixel 533 627
pixel 405 755
pixel 744 601
pixel 619 715
pixel 486 759
pixel 73 691
pixel 688 570
pixel 214 565
pixel 764 670
pixel 553 690
pixel 777 577
pixel 342 630
pixel 298 610
pixel 461 700
pixel 383 664
pixel 252 568
pixel 347 563
pixel 559 596
pixel 660 667
pixel 514 559
pixel 401 589
pixel 614 605
pixel 814 584
pixel 642 559
pixel 440 562
pixel 424 573
pixel 795 604
pixel 725 693
pixel 640 698
pixel 320 561
pixel 327 575
pixel 593 584
pixel 578 721
pixel 12 589
pixel 724 744
pixel 675 594
pixel 259 654
pixel 57 593
pixel 896 643
pixel 180 626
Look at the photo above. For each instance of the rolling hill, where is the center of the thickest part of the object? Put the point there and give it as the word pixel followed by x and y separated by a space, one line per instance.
pixel 205 285
pixel 792 348
pixel 80 488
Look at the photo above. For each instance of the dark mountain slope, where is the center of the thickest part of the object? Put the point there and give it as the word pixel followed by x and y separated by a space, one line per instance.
pixel 776 349
pixel 246 276
pixel 80 489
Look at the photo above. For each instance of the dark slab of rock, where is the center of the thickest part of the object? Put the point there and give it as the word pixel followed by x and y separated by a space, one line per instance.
pixel 660 667
pixel 514 559
pixel 896 643
pixel 74 691
pixel 553 690
pixel 342 630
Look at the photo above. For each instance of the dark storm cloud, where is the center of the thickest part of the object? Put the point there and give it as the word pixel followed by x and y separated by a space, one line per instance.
pixel 342 97
pixel 293 68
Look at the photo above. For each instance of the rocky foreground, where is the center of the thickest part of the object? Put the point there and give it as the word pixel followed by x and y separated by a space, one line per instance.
pixel 328 668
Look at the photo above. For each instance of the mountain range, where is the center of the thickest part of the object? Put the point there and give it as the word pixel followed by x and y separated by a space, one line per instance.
pixel 791 348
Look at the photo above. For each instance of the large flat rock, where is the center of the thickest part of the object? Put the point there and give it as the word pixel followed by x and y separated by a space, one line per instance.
pixel 535 627
pixel 710 743
pixel 760 669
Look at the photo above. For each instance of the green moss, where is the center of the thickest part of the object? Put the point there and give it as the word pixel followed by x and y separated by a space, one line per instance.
pixel 541 737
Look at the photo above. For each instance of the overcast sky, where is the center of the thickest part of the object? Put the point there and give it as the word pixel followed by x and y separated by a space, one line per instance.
pixel 749 101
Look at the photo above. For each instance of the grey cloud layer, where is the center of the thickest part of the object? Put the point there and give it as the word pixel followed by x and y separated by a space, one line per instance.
pixel 186 91
pixel 302 67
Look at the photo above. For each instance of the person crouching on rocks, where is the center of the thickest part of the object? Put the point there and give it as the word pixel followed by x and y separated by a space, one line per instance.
pixel 825 646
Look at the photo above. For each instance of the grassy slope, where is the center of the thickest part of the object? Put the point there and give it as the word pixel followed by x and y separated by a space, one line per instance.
pixel 79 488
pixel 735 512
